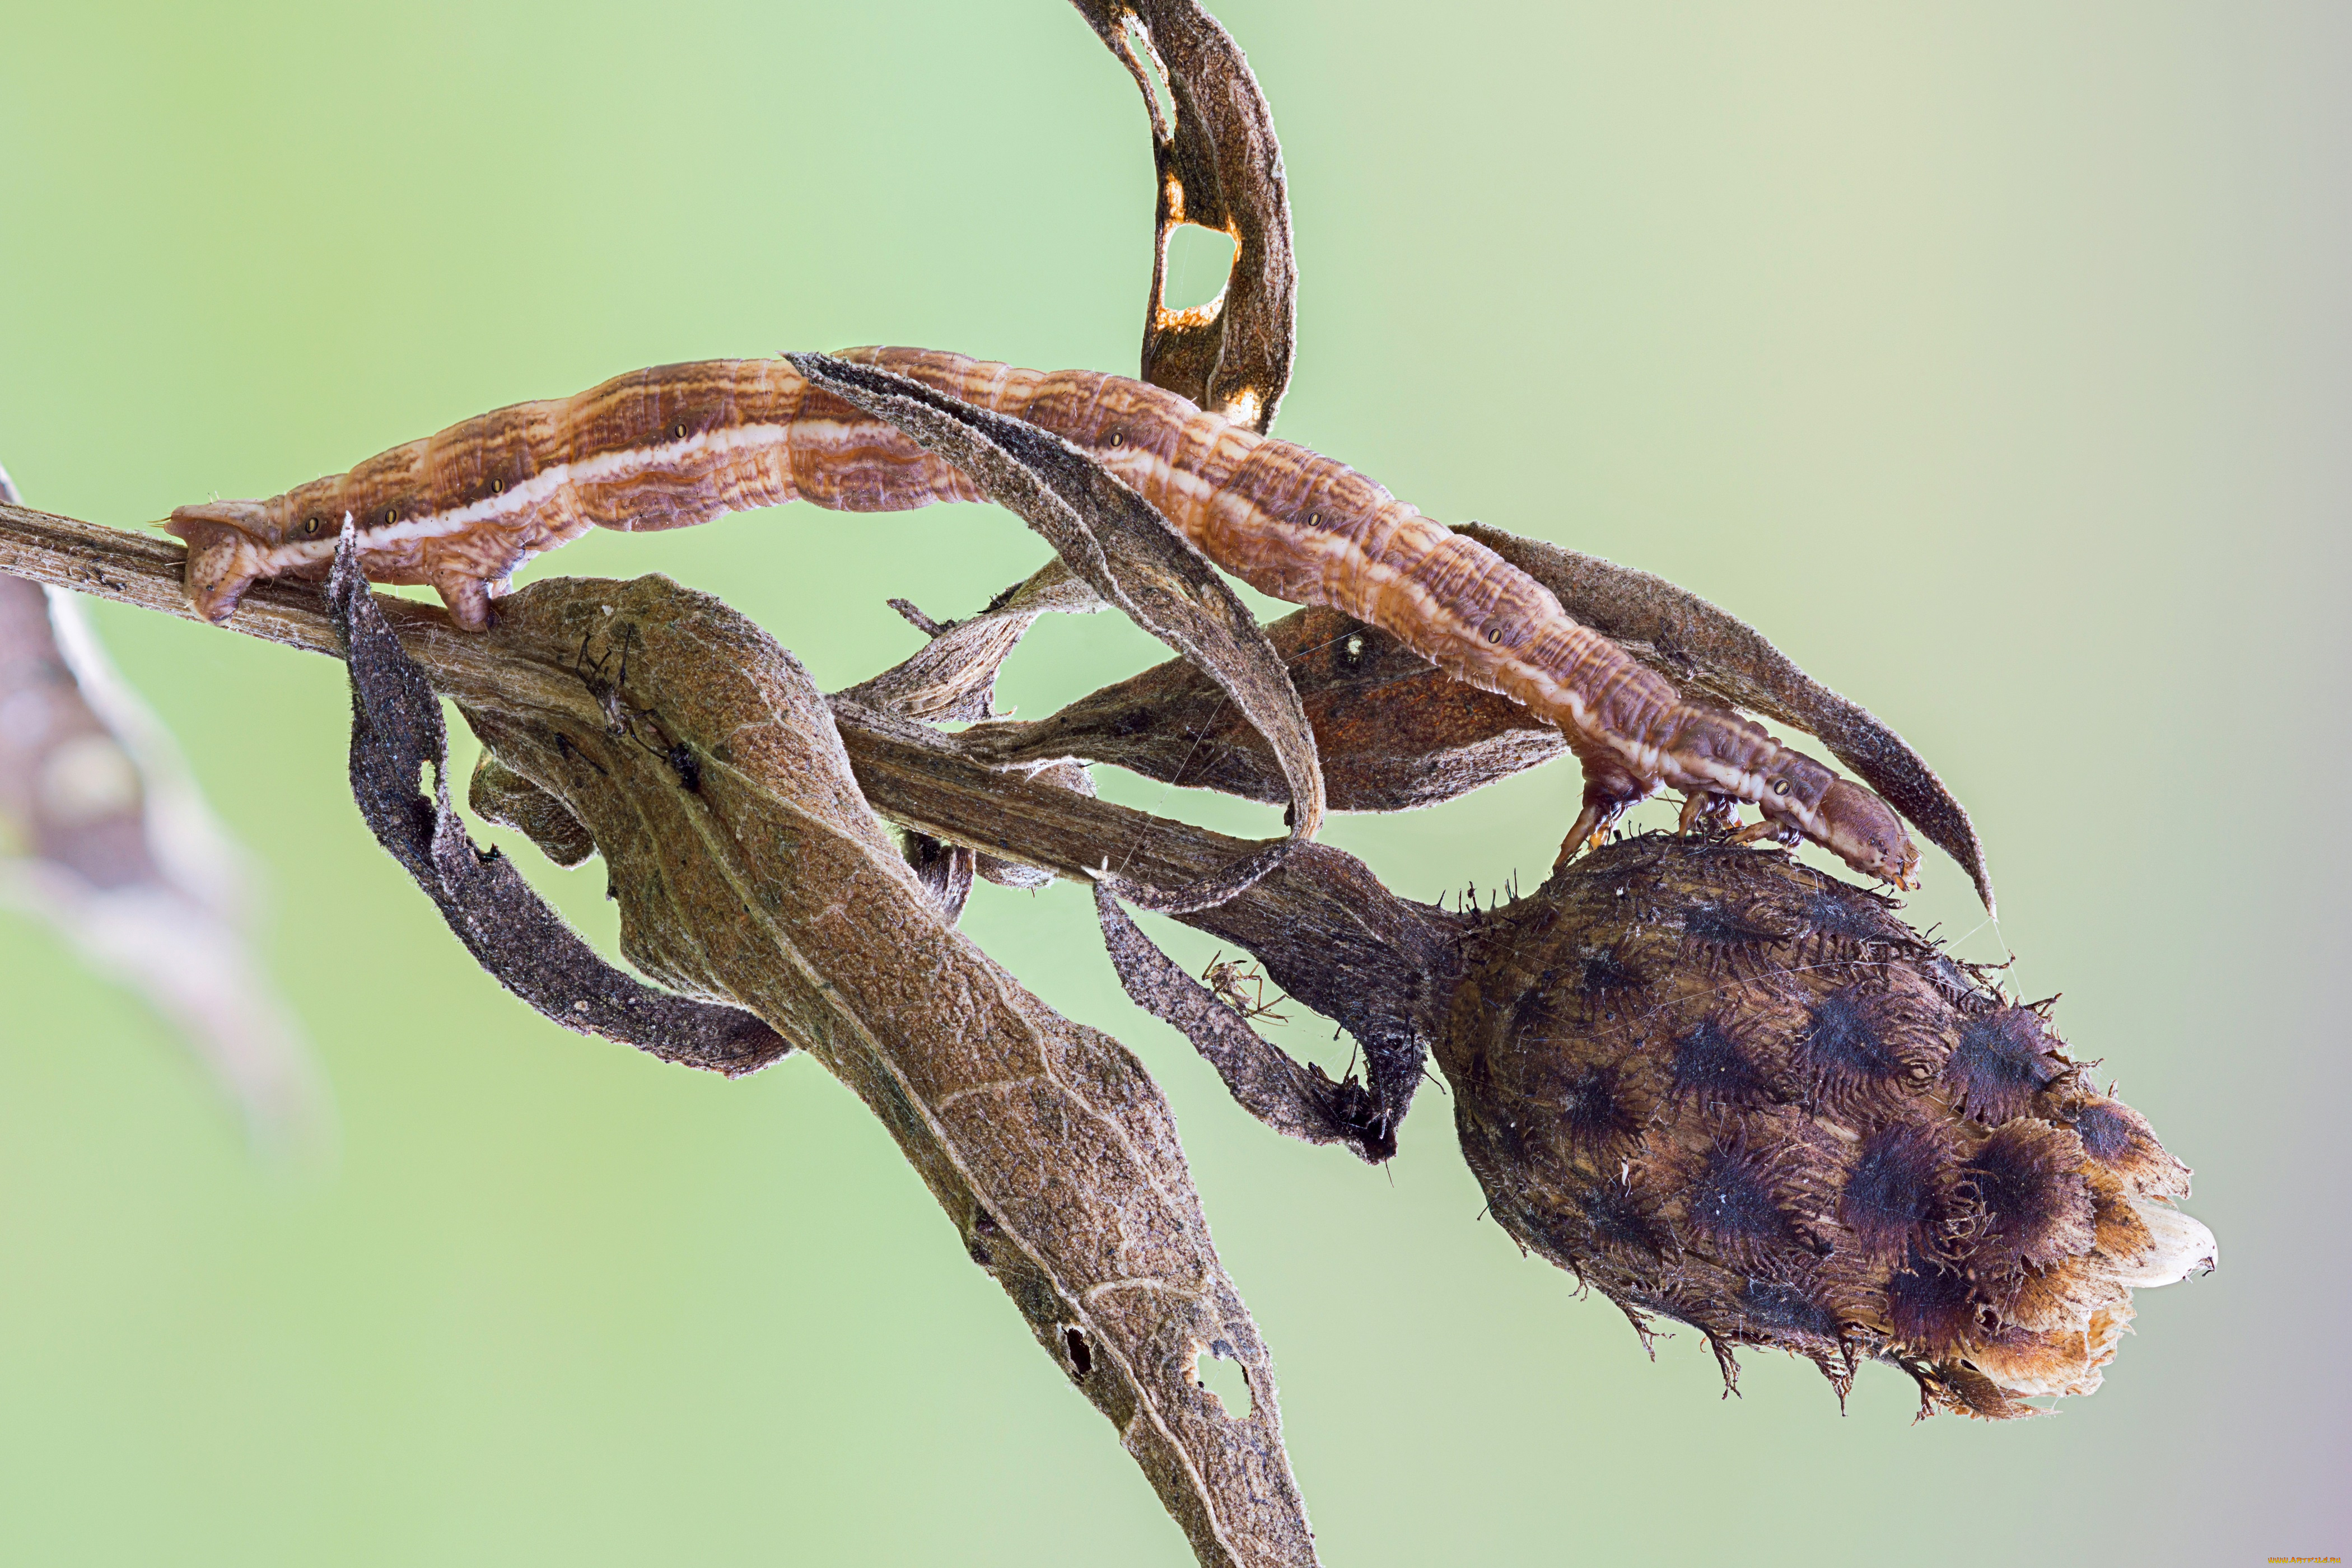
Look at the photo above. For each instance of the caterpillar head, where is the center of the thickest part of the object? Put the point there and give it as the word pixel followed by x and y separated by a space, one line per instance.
pixel 1864 831
pixel 229 543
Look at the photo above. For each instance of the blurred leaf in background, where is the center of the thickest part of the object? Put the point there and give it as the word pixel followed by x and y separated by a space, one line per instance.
pixel 104 835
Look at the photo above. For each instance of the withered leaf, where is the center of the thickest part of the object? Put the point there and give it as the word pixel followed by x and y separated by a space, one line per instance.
pixel 760 876
pixel 497 793
pixel 945 870
pixel 1704 650
pixel 1048 1145
pixel 1327 932
pixel 1133 557
pixel 396 734
pixel 1294 1100
pixel 1392 730
pixel 1218 167
pixel 954 675
pixel 104 835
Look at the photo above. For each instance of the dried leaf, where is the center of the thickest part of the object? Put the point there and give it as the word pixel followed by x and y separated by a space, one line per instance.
pixel 729 809
pixel 1219 167
pixel 1704 650
pixel 103 834
pixel 1392 730
pixel 497 793
pixel 759 874
pixel 945 870
pixel 1294 1100
pixel 1128 553
pixel 1327 932
pixel 954 675
pixel 396 734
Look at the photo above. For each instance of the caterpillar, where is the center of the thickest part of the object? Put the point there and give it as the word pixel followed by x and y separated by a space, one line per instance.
pixel 678 445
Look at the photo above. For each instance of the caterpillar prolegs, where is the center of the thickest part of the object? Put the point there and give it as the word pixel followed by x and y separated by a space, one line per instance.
pixel 681 444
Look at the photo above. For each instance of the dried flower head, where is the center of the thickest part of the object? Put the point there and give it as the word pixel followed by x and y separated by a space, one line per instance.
pixel 1780 1115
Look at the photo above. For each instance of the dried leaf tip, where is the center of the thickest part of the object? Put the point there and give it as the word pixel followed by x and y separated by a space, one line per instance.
pixel 1218 166
pixel 397 737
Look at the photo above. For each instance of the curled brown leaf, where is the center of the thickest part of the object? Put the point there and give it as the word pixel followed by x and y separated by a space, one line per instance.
pixel 1219 167
pixel 1299 1101
pixel 1327 931
pixel 749 868
pixel 1392 730
pixel 1048 1145
pixel 1126 551
pixel 1705 651
pixel 497 793
pixel 396 735
pixel 953 676
pixel 1514 987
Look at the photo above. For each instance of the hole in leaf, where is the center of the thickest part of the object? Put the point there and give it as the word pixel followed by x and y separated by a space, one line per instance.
pixel 1082 1357
pixel 1199 260
pixel 1224 1378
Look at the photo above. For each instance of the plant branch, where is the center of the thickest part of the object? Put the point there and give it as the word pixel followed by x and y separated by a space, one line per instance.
pixel 1327 930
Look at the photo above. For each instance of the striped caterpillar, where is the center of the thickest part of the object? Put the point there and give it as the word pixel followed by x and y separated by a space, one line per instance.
pixel 678 445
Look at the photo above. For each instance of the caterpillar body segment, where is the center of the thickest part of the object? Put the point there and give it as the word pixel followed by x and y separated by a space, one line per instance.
pixel 678 444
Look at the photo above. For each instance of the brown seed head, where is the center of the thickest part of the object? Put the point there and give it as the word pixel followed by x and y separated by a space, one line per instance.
pixel 1719 1086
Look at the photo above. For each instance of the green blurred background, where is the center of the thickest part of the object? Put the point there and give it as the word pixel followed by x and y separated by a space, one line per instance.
pixel 1994 360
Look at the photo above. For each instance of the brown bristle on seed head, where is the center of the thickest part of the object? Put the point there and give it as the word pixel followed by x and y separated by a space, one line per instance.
pixel 1709 1063
pixel 1900 1179
pixel 1596 1112
pixel 1775 1305
pixel 1735 1200
pixel 1930 1307
pixel 2029 1177
pixel 1722 1087
pixel 2118 1138
pixel 2002 1061
pixel 1866 1047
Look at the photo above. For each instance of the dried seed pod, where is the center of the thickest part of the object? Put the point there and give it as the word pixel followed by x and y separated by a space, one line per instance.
pixel 1721 1086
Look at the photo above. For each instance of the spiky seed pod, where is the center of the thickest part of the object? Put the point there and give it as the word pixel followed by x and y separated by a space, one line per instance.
pixel 1721 1086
